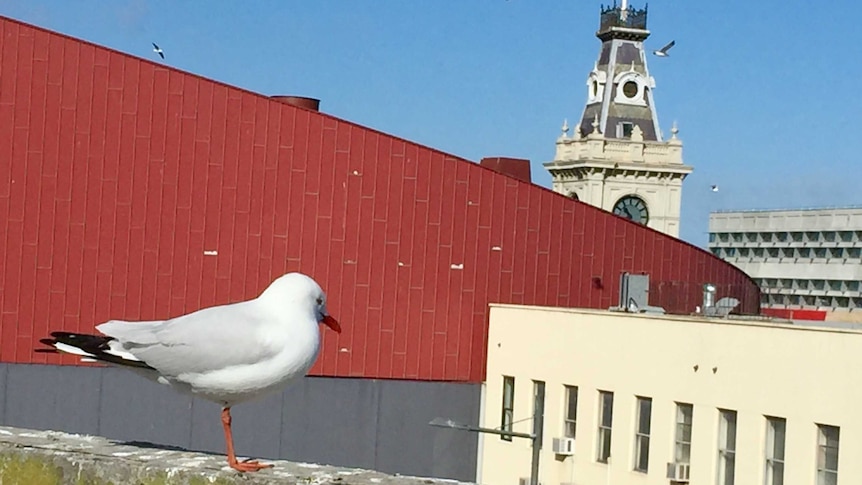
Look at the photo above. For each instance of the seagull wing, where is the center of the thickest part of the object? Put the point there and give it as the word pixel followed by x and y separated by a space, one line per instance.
pixel 207 340
pixel 668 46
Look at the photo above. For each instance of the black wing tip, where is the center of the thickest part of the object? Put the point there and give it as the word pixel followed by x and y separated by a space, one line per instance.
pixel 95 345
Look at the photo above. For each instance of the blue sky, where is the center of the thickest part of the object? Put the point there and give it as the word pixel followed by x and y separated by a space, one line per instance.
pixel 767 94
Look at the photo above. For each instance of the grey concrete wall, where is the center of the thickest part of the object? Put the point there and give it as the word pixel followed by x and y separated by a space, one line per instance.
pixel 32 457
pixel 365 423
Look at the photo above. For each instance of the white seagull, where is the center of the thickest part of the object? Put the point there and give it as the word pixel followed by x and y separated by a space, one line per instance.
pixel 663 51
pixel 713 188
pixel 227 354
pixel 158 50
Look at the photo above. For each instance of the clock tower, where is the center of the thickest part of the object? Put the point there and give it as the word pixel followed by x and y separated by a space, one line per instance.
pixel 616 158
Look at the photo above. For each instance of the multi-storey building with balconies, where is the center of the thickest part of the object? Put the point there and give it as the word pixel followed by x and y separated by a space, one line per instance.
pixel 808 259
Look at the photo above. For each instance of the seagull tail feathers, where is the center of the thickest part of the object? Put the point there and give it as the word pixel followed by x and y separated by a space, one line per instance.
pixel 90 348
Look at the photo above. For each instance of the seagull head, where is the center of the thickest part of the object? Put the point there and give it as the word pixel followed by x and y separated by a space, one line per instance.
pixel 299 290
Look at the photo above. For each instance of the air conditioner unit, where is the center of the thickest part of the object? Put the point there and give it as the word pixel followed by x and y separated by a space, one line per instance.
pixel 564 446
pixel 678 472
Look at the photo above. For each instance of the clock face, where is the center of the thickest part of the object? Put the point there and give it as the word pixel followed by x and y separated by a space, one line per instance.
pixel 633 208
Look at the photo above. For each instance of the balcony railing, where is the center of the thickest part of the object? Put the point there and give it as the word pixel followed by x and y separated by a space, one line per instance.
pixel 615 16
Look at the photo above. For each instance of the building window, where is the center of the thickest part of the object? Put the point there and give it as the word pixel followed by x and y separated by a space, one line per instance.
pixel 606 418
pixel 508 406
pixel 827 454
pixel 538 410
pixel 775 450
pixel 570 422
pixel 682 448
pixel 642 434
pixel 726 446
pixel 624 129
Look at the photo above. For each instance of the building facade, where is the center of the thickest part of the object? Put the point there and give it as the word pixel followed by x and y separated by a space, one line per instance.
pixel 805 259
pixel 132 190
pixel 616 158
pixel 650 400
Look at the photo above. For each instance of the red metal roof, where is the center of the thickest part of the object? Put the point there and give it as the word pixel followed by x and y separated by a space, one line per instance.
pixel 119 177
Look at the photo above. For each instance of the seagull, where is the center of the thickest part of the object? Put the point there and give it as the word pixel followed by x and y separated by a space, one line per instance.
pixel 158 50
pixel 663 51
pixel 227 354
pixel 713 188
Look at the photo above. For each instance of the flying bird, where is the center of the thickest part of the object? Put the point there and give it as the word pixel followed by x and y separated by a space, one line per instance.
pixel 713 188
pixel 227 354
pixel 158 50
pixel 663 51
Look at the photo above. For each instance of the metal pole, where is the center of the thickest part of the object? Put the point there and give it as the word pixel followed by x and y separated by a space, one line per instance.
pixel 534 462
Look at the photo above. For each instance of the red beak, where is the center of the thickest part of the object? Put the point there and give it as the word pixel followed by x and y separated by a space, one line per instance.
pixel 331 323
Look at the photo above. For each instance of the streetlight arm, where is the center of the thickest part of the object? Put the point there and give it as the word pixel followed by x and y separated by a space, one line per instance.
pixel 448 423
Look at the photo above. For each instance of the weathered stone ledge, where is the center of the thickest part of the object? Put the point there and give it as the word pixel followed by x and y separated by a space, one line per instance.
pixel 29 457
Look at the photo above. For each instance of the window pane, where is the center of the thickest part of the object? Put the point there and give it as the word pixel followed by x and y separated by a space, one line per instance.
pixel 607 408
pixel 571 429
pixel 572 400
pixel 728 469
pixel 682 453
pixel 778 427
pixel 728 430
pixel 831 458
pixel 642 453
pixel 827 478
pixel 604 445
pixel 644 412
pixel 683 432
pixel 775 473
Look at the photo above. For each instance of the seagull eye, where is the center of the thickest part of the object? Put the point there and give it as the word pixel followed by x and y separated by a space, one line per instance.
pixel 320 301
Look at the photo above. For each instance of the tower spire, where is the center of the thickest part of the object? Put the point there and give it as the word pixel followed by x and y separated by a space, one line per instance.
pixel 641 174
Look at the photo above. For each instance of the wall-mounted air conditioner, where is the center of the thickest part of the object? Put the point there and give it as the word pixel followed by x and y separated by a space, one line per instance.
pixel 564 446
pixel 678 472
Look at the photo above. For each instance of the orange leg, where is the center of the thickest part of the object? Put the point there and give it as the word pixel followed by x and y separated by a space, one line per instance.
pixel 245 465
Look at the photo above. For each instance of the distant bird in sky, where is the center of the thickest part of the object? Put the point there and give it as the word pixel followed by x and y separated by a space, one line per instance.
pixel 227 354
pixel 158 50
pixel 663 51
pixel 713 188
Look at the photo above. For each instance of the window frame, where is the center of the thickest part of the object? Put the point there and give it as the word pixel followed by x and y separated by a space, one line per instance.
pixel 508 411
pixel 679 425
pixel 642 437
pixel 605 431
pixel 570 423
pixel 822 448
pixel 772 462
pixel 727 432
pixel 539 411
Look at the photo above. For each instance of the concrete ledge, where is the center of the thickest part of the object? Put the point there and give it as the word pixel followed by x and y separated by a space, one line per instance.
pixel 29 457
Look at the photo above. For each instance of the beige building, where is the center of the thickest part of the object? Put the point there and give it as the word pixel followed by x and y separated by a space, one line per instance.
pixel 616 158
pixel 642 397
